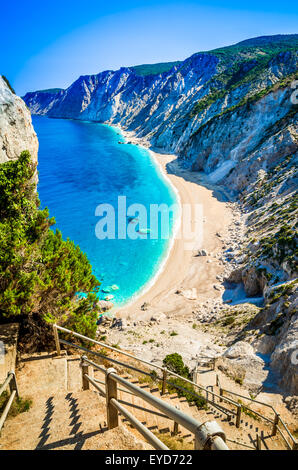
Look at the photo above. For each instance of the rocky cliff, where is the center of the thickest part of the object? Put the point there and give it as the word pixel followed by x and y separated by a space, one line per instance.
pixel 232 114
pixel 17 133
pixel 40 273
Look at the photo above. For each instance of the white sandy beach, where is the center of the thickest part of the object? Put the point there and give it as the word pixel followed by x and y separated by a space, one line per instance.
pixel 183 270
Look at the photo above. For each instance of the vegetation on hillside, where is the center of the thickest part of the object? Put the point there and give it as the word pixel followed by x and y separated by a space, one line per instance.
pixel 244 66
pixel 153 69
pixel 8 84
pixel 273 204
pixel 51 91
pixel 19 405
pixel 174 363
pixel 40 273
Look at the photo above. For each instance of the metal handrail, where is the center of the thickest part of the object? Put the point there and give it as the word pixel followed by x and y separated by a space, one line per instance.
pixel 103 393
pixel 202 437
pixel 284 438
pixel 12 384
pixel 288 432
pixel 228 412
pixel 249 398
pixel 153 440
pixel 78 335
pixel 149 436
pixel 102 356
pixel 221 398
pixel 151 364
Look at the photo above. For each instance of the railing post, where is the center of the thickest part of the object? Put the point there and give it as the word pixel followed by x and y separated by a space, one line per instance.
pixel 111 392
pixel 56 340
pixel 164 381
pixel 195 375
pixel 238 417
pixel 275 424
pixel 13 384
pixel 85 371
pixel 259 442
pixel 221 394
pixel 176 425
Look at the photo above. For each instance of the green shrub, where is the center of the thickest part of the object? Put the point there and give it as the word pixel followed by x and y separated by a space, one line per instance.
pixel 174 363
pixel 173 442
pixel 8 84
pixel 40 273
pixel 191 394
pixel 239 380
pixel 228 321
pixel 19 405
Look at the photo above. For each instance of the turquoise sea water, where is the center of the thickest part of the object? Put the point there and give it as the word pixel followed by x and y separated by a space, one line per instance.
pixel 82 165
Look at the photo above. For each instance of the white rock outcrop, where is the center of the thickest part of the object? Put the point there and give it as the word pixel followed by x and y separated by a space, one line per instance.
pixel 239 350
pixel 16 130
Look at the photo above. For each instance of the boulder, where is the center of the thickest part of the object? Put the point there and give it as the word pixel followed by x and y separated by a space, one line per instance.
pixel 190 294
pixel 292 404
pixel 251 281
pixel 239 350
pixel 105 305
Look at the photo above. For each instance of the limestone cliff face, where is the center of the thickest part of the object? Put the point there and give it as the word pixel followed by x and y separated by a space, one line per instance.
pixel 217 111
pixel 227 113
pixel 16 130
pixel 230 114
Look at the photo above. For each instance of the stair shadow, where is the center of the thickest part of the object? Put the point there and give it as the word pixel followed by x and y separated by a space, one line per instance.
pixel 45 434
pixel 74 414
pixel 78 440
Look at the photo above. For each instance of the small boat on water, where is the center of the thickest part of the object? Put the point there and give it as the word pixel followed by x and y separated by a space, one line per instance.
pixel 114 287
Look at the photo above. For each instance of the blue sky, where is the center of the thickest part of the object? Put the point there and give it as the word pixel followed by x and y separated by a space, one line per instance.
pixel 50 43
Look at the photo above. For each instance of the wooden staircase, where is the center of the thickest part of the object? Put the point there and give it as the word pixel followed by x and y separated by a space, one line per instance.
pixel 63 416
pixel 241 438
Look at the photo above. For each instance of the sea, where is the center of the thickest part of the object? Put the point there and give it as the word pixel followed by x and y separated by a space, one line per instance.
pixel 85 169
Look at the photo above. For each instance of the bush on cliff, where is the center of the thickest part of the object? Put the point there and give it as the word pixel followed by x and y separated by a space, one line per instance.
pixel 40 273
pixel 174 363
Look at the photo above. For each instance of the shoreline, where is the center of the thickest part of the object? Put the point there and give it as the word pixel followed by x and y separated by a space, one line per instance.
pixel 177 270
pixel 146 289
